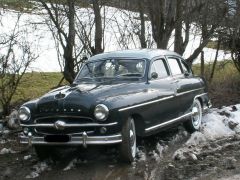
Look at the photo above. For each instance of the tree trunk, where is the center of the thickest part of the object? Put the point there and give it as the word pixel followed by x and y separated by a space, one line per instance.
pixel 98 28
pixel 202 64
pixel 178 29
pixel 215 60
pixel 69 73
pixel 162 20
pixel 142 33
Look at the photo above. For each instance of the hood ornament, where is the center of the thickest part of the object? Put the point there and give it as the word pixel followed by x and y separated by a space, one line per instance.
pixel 60 95
pixel 59 125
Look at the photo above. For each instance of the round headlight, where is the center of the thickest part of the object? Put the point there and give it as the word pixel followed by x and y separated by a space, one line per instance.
pixel 24 113
pixel 101 112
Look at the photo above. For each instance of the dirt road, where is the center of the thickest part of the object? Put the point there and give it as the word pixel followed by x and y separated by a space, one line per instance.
pixel 156 160
pixel 212 153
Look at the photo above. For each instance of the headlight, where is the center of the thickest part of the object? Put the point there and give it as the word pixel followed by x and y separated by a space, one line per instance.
pixel 101 112
pixel 24 113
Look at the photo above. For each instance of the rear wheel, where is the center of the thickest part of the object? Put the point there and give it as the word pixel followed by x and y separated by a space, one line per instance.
pixel 194 123
pixel 128 146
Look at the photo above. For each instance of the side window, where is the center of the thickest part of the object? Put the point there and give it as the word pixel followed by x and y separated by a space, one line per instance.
pixel 159 67
pixel 174 66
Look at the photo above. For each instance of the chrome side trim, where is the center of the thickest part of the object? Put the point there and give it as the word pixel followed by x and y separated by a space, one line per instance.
pixel 70 125
pixel 186 92
pixel 158 100
pixel 75 140
pixel 146 103
pixel 168 122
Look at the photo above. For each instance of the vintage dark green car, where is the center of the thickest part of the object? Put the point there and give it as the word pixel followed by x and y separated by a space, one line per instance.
pixel 116 97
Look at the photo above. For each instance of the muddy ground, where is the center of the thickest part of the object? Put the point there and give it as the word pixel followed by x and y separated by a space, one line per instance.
pixel 155 160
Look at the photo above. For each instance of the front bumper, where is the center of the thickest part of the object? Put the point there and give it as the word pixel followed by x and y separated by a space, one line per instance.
pixel 75 140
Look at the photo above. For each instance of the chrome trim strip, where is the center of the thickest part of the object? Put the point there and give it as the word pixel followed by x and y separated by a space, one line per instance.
pixel 167 123
pixel 75 140
pixel 70 125
pixel 182 93
pixel 154 101
pixel 146 103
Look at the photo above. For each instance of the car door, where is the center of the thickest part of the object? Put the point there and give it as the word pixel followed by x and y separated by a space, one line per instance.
pixel 187 85
pixel 165 108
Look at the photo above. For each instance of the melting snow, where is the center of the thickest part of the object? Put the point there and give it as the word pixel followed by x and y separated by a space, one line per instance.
pixel 7 151
pixel 141 155
pixel 38 169
pixel 27 157
pixel 216 124
pixel 71 165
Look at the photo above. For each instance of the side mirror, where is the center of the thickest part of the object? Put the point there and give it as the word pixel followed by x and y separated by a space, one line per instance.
pixel 154 75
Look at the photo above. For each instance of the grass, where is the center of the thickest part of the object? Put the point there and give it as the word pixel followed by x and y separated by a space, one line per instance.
pixel 27 5
pixel 36 84
pixel 213 45
pixel 225 70
pixel 224 89
pixel 19 5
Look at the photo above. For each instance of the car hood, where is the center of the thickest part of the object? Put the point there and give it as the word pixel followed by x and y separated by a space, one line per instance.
pixel 83 97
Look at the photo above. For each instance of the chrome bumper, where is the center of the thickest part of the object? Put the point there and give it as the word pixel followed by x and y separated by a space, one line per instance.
pixel 74 140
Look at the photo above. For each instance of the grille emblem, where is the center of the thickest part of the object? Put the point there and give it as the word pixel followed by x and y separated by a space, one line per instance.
pixel 59 125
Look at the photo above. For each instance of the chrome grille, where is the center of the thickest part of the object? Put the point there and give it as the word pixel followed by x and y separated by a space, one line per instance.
pixel 68 120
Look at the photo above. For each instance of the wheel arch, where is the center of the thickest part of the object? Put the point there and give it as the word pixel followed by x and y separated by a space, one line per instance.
pixel 139 124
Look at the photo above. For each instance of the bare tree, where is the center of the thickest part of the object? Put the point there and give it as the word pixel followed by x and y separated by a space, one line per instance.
pixel 64 20
pixel 58 15
pixel 235 38
pixel 208 17
pixel 16 56
pixel 162 14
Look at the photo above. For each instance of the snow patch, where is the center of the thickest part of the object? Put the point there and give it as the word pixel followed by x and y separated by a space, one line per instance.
pixel 72 164
pixel 216 124
pixel 141 155
pixel 38 169
pixel 7 151
pixel 27 157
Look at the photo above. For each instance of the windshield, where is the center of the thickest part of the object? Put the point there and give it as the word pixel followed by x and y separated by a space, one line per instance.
pixel 113 68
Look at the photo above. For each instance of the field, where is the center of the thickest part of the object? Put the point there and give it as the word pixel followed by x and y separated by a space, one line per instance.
pixel 36 84
pixel 224 88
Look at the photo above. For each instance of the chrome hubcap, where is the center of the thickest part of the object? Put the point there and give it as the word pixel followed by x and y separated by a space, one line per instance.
pixel 196 115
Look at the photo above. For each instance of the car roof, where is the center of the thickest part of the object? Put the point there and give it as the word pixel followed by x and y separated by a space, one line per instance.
pixel 135 54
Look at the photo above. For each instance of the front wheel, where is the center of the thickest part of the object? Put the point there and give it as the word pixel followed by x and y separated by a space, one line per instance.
pixel 128 146
pixel 194 123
